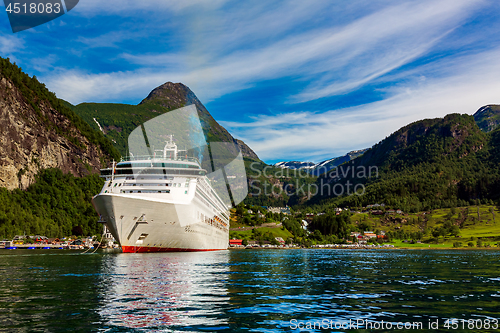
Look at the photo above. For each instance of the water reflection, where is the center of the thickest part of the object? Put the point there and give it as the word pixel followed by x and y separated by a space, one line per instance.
pixel 243 291
pixel 165 291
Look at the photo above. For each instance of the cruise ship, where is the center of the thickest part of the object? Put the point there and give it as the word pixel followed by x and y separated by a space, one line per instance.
pixel 162 202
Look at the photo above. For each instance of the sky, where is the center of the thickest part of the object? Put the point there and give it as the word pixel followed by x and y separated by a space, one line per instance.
pixel 295 80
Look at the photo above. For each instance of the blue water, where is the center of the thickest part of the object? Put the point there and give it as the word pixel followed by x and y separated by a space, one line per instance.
pixel 248 291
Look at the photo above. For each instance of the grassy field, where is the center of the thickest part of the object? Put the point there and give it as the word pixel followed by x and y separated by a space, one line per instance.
pixel 249 234
pixel 475 223
pixel 276 232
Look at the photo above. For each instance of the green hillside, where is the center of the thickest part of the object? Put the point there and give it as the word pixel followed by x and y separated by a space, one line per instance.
pixel 471 226
pixel 488 117
pixel 35 94
pixel 433 163
pixel 445 167
pixel 119 120
pixel 56 205
pixel 116 120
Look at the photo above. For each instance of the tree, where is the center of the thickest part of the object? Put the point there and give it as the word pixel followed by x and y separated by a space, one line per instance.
pixel 239 209
pixel 77 230
pixel 455 231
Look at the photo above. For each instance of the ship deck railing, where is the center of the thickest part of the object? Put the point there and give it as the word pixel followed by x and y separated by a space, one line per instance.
pixel 158 158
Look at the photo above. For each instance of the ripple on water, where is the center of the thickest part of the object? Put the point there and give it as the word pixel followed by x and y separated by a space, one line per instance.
pixel 247 290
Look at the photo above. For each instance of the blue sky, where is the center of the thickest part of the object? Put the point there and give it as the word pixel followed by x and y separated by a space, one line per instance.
pixel 296 80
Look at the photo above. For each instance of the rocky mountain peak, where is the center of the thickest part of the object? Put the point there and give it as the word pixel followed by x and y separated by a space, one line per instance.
pixel 488 117
pixel 171 96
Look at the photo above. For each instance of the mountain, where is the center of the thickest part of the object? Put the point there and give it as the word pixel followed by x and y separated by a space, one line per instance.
pixel 432 163
pixel 49 161
pixel 295 165
pixel 317 169
pixel 39 132
pixel 117 121
pixel 426 141
pixel 488 117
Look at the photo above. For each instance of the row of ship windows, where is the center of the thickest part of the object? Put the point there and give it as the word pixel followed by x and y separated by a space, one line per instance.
pixel 201 197
pixel 215 221
pixel 209 191
pixel 144 191
pixel 149 177
pixel 107 172
pixel 156 165
pixel 204 197
pixel 206 202
pixel 152 184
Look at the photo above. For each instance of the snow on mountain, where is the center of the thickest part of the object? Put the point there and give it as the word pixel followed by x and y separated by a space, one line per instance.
pixel 321 167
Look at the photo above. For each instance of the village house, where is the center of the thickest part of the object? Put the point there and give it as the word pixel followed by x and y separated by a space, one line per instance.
pixel 235 242
pixel 369 234
pixel 18 239
pixel 278 210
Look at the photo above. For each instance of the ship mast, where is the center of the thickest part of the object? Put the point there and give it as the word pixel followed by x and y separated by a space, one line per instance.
pixel 170 149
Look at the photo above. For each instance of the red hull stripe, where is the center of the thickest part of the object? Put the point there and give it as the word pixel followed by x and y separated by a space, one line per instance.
pixel 140 249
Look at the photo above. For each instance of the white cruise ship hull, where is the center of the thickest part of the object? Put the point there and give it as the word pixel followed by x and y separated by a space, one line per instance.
pixel 149 225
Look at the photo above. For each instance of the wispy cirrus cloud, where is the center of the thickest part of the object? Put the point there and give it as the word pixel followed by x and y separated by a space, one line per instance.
pixel 311 135
pixel 338 75
pixel 128 7
pixel 340 59
pixel 10 45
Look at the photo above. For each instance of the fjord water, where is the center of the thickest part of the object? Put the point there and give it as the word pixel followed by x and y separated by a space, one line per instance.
pixel 243 290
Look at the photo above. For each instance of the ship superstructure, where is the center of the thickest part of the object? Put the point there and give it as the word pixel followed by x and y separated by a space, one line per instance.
pixel 162 202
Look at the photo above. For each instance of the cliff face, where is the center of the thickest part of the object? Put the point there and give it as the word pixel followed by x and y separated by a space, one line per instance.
pixel 36 136
pixel 247 151
pixel 488 117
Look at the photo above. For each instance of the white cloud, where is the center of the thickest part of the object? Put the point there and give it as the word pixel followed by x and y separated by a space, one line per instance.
pixel 464 87
pixel 77 87
pixel 128 7
pixel 235 49
pixel 110 39
pixel 10 44
pixel 339 58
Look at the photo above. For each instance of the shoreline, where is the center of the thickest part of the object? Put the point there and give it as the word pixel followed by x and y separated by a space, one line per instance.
pixel 368 248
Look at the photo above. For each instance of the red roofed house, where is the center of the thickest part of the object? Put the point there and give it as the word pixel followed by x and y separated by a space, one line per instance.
pixel 235 242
